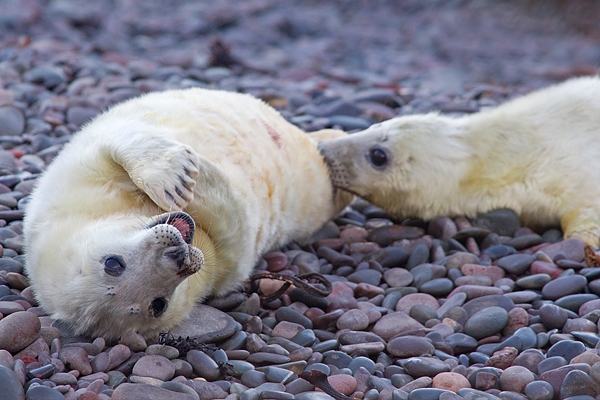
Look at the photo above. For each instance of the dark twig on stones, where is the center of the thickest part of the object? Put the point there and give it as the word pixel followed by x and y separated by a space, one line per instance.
pixel 319 379
pixel 298 281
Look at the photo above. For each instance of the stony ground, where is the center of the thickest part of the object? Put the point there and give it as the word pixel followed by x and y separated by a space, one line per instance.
pixel 442 309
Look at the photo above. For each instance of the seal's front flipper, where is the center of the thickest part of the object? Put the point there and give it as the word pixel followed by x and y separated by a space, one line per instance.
pixel 583 224
pixel 164 169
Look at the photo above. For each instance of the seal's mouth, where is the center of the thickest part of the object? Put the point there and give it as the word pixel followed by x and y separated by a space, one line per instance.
pixel 181 221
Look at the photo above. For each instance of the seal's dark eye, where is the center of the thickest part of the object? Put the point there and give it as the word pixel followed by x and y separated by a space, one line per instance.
pixel 158 306
pixel 377 157
pixel 113 265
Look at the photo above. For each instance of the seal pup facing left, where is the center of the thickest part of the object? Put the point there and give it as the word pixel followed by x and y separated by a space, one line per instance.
pixel 538 155
pixel 165 199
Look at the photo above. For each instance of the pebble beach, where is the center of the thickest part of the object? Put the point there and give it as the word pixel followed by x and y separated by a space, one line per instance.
pixel 451 308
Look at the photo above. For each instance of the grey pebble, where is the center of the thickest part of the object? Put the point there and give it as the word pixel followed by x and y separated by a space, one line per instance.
pixel 12 389
pixel 133 391
pixel 578 383
pixel 12 121
pixel 39 392
pixel 536 281
pixel 539 390
pixel 566 349
pixel 155 366
pixel 564 286
pixel 425 366
pixel 203 365
pixel 516 264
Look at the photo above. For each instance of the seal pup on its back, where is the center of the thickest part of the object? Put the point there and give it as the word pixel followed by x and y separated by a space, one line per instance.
pixel 165 199
pixel 538 155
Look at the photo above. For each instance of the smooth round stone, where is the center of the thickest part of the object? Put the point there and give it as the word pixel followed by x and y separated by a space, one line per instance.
pixel 572 249
pixel 489 375
pixel 528 337
pixel 389 257
pixel 421 274
pixel 451 381
pixel 501 221
pixel 536 281
pixel 566 349
pixel 461 343
pixel 437 287
pixel 406 302
pixel 304 338
pixel 410 346
pixel 480 303
pixel 40 392
pixel 12 389
pixel 290 315
pixel 523 296
pixel 426 394
pixel 12 121
pixel 155 366
pixel 563 286
pixel 313 396
pixel 76 357
pixel 425 366
pixel 590 339
pixel 364 362
pixel 355 320
pixel 553 316
pixel 498 251
pixel 118 355
pixel 262 358
pixel 345 384
pixel 516 264
pixel 525 241
pixel 133 391
pixel 486 322
pixel 578 383
pixel 390 300
pixel 419 255
pixel 386 235
pixel 397 277
pixel 516 378
pixel 579 325
pixel 207 325
pixel 369 276
pixel 253 378
pixel 422 313
pixel 18 330
pixel 455 301
pixel 239 367
pixel 394 323
pixel 178 387
pixel 551 363
pixel 575 301
pixel 337 359
pixel 203 365
pixel 539 390
pixel 162 350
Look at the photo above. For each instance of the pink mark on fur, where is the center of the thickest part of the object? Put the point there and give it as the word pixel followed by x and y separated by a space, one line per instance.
pixel 273 133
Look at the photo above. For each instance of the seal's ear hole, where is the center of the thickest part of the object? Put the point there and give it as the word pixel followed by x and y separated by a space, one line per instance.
pixel 158 306
pixel 378 156
pixel 114 265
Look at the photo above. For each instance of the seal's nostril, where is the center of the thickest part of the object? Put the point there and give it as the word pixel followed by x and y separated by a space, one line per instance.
pixel 177 254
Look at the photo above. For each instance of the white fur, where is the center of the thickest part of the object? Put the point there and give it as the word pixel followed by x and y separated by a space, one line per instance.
pixel 250 180
pixel 538 155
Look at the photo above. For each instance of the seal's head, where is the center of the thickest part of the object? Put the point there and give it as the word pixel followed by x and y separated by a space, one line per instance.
pixel 393 158
pixel 133 275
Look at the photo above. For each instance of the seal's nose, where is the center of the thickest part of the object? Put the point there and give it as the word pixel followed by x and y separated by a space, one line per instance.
pixel 177 254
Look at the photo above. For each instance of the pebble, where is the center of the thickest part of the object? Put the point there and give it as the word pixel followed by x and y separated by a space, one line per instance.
pixel 155 366
pixel 130 391
pixel 486 322
pixel 18 330
pixel 410 346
